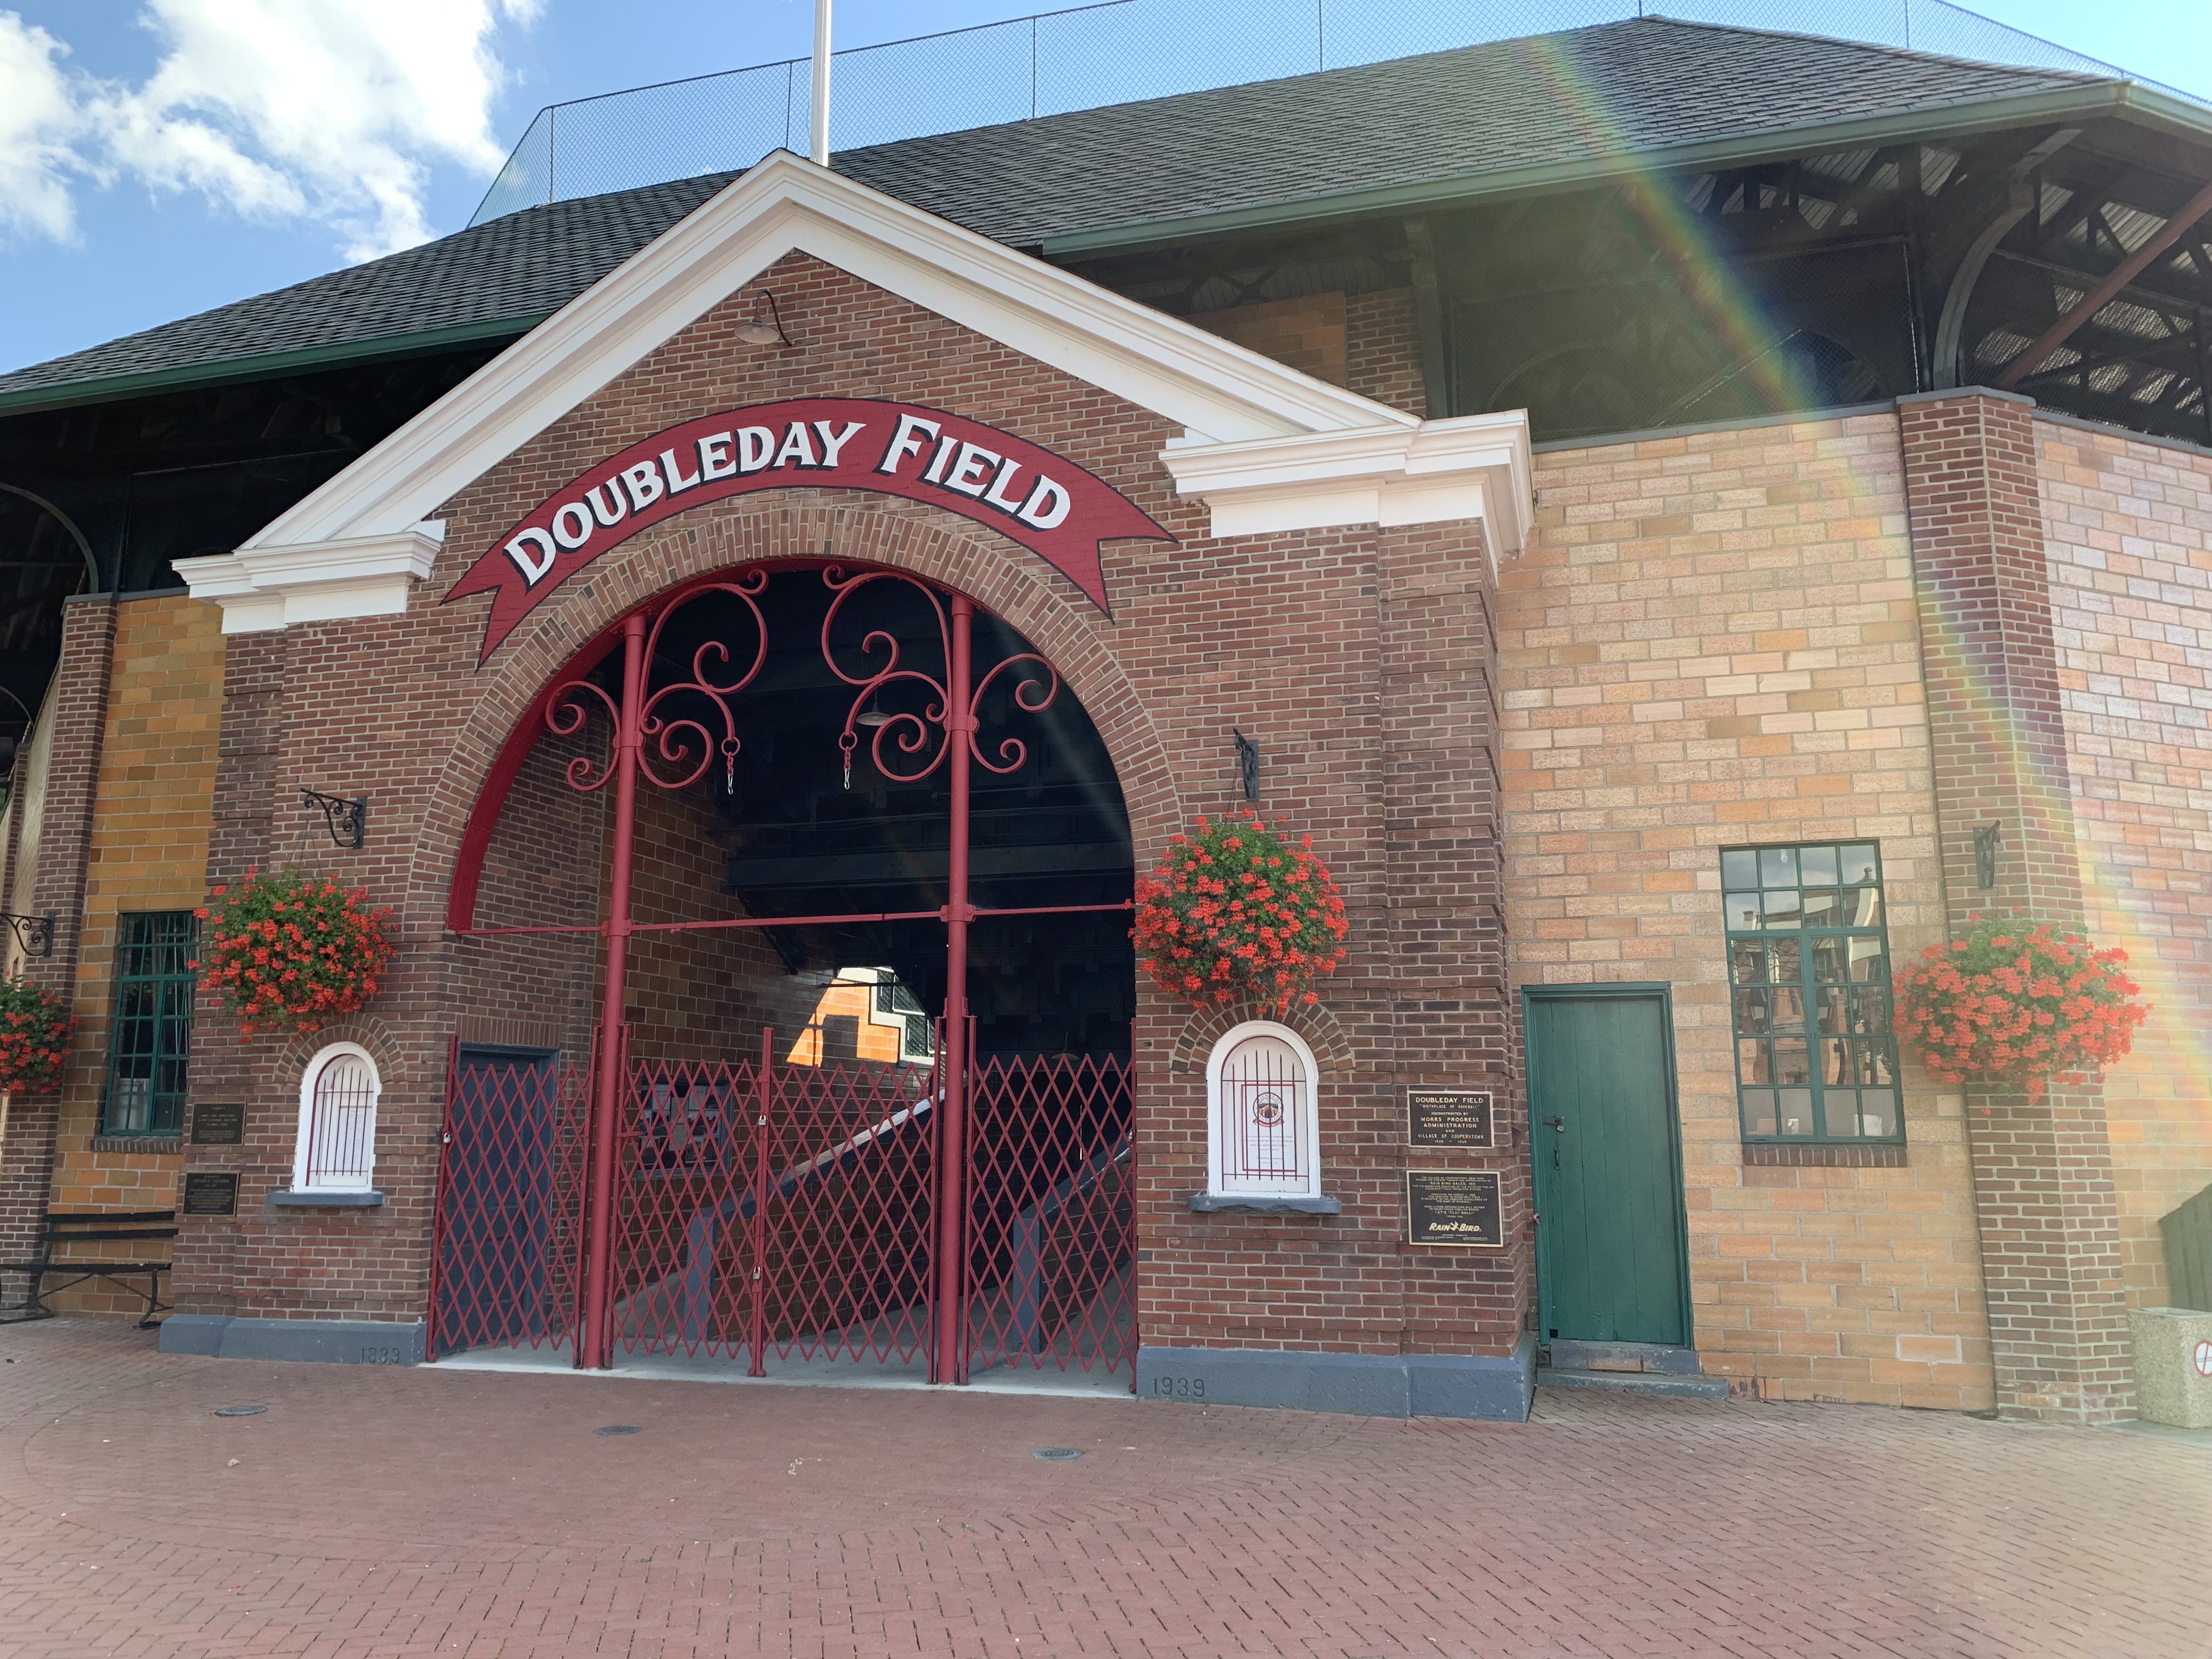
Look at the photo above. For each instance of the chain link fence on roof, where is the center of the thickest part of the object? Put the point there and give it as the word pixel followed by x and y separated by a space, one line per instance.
pixel 1122 50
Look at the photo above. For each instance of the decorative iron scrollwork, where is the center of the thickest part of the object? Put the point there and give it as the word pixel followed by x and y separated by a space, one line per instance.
pixel 911 733
pixel 35 934
pixel 682 736
pixel 347 820
pixel 1247 765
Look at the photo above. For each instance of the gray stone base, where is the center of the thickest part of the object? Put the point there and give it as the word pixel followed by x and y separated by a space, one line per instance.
pixel 1496 1387
pixel 333 1341
pixel 1573 1355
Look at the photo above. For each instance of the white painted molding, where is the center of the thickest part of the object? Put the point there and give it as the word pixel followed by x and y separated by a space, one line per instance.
pixel 1470 467
pixel 263 588
pixel 1218 392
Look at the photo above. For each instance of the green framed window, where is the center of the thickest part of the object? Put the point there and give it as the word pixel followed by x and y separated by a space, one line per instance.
pixel 1809 989
pixel 152 1030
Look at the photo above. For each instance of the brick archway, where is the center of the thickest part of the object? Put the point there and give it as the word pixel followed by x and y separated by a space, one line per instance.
pixel 1005 580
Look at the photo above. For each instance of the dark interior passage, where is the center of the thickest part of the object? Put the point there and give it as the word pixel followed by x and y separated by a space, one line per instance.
pixel 797 832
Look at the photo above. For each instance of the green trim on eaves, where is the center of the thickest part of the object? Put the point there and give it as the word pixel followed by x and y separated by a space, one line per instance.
pixel 2071 103
pixel 108 388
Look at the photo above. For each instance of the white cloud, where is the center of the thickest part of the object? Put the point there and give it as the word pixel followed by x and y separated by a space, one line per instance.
pixel 329 110
pixel 37 121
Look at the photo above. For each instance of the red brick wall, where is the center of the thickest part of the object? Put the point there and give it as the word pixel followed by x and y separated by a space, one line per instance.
pixel 1382 349
pixel 77 705
pixel 1330 648
pixel 1307 333
pixel 2127 532
pixel 2043 1171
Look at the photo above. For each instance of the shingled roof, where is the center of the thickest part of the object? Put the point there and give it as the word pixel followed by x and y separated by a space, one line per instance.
pixel 1445 123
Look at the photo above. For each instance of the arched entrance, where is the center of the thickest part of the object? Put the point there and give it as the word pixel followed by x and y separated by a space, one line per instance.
pixel 919 838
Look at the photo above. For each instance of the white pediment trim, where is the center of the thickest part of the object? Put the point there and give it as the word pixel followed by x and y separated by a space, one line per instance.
pixel 1474 467
pixel 1218 391
pixel 1267 446
pixel 262 587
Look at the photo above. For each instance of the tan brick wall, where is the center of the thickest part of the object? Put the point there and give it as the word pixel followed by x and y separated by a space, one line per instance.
pixel 2128 527
pixel 149 844
pixel 1712 642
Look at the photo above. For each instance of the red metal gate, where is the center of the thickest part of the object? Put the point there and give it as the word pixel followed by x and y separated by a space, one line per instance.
pixel 783 1211
pixel 832 1211
pixel 507 1251
pixel 1051 1225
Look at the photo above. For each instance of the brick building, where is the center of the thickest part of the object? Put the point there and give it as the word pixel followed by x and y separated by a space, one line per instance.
pixel 1614 548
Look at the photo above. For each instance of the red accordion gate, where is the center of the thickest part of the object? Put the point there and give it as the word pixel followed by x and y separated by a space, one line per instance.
pixel 970 1213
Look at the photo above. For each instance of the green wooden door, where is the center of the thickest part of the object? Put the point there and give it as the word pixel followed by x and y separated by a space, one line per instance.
pixel 1610 1262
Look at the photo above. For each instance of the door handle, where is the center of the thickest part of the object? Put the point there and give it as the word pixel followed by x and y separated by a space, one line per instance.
pixel 1558 1123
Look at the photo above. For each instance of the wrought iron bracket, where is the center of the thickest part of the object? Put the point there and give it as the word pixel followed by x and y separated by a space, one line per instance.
pixel 34 933
pixel 1985 854
pixel 347 820
pixel 1247 765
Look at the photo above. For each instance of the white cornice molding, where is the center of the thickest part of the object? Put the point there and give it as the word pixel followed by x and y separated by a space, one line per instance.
pixel 263 588
pixel 1218 392
pixel 1472 466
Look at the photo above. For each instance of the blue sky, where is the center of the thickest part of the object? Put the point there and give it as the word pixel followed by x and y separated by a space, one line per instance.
pixel 158 157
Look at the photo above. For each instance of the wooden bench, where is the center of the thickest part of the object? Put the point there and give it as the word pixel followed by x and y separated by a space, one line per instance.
pixel 66 1230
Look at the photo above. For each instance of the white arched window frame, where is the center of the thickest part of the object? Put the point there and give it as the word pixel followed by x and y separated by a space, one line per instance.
pixel 336 1149
pixel 1263 1122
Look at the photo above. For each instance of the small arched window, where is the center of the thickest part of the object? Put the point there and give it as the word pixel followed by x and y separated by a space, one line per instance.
pixel 1263 1134
pixel 337 1150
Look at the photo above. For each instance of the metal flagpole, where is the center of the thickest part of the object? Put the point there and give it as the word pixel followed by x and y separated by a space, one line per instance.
pixel 817 148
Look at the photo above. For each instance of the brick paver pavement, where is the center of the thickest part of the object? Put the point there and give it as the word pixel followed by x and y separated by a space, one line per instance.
pixel 474 1516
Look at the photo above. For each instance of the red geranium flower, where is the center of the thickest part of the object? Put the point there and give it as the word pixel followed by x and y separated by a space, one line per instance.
pixel 290 976
pixel 1996 1006
pixel 1287 930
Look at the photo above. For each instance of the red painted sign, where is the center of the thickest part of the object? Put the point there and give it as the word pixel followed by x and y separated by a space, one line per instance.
pixel 1047 503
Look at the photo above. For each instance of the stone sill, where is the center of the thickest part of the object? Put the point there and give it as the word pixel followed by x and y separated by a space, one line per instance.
pixel 1824 1155
pixel 162 1144
pixel 1257 1205
pixel 354 1200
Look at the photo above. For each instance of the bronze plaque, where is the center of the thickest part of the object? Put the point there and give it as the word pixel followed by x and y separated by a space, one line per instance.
pixel 1440 1118
pixel 209 1194
pixel 1461 1209
pixel 218 1123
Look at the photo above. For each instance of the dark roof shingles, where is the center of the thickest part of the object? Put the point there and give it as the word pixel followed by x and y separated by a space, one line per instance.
pixel 1579 95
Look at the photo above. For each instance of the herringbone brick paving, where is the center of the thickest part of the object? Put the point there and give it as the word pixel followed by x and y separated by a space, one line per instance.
pixel 374 1514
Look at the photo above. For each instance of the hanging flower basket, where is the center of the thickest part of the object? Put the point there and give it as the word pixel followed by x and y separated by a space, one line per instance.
pixel 2018 1005
pixel 1236 910
pixel 292 952
pixel 35 1026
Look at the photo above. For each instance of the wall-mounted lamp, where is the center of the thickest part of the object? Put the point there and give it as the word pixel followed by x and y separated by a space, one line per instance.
pixel 34 933
pixel 765 326
pixel 347 820
pixel 1247 765
pixel 1985 854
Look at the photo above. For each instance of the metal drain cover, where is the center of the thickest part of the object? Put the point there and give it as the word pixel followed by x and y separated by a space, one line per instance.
pixel 1057 1453
pixel 619 1428
pixel 239 1411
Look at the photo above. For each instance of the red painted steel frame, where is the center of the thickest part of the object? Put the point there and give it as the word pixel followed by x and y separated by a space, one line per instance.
pixel 597 1349
pixel 948 1355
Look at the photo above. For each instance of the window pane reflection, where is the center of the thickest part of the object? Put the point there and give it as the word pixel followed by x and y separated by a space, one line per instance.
pixel 1809 965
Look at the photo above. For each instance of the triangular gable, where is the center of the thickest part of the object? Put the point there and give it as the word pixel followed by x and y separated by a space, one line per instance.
pixel 350 546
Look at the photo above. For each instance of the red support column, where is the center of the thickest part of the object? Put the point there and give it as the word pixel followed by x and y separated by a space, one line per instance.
pixel 765 1084
pixel 598 1349
pixel 949 1356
